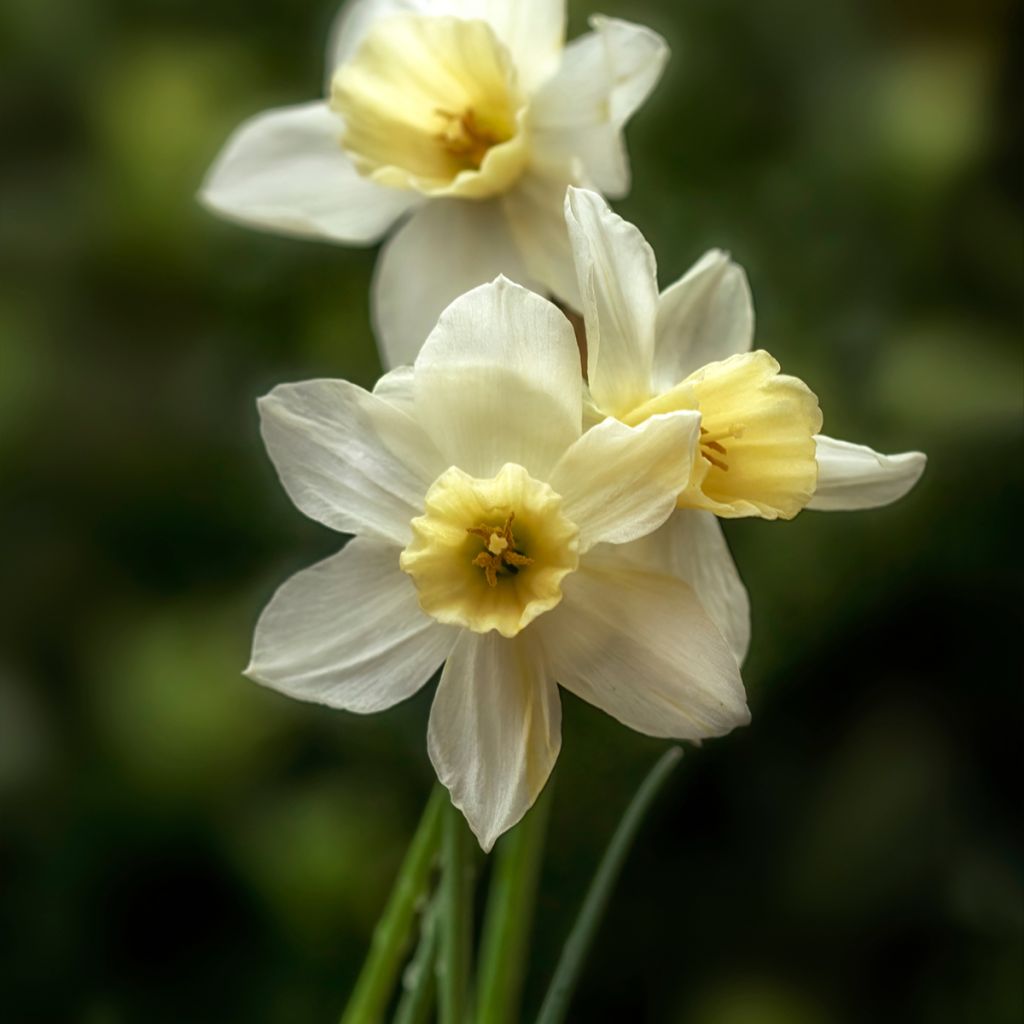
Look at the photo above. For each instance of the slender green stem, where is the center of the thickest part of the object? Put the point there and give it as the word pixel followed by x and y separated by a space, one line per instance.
pixel 376 981
pixel 456 919
pixel 510 904
pixel 570 964
pixel 419 984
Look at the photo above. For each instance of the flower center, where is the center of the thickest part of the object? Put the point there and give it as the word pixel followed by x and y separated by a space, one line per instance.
pixel 490 553
pixel 463 137
pixel 501 555
pixel 756 437
pixel 431 103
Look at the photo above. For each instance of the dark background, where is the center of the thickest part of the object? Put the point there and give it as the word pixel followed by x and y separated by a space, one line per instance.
pixel 177 844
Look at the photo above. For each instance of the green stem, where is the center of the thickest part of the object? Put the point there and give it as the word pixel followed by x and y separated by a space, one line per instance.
pixel 377 979
pixel 510 904
pixel 420 982
pixel 570 964
pixel 456 919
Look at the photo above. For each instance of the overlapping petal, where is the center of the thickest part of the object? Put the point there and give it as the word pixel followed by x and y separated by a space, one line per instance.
pixel 495 729
pixel 620 482
pixel 536 221
pixel 853 476
pixel 348 632
pixel 692 547
pixel 618 284
pixel 639 646
pixel 447 248
pixel 499 381
pixel 285 170
pixel 706 316
pixel 603 78
pixel 349 459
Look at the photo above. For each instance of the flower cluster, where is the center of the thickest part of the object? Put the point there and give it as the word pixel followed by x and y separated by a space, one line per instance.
pixel 519 518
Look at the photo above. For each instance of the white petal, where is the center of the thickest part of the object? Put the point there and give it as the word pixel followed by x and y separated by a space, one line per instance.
pixel 852 476
pixel 618 282
pixel 604 77
pixel 495 730
pixel 535 213
pixel 692 547
pixel 706 316
pixel 620 482
pixel 347 458
pixel 284 170
pixel 499 381
pixel 348 632
pixel 445 249
pixel 640 646
pixel 397 387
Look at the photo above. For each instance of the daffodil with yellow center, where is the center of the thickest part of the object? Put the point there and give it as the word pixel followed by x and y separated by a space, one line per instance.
pixel 460 122
pixel 433 104
pixel 497 536
pixel 760 450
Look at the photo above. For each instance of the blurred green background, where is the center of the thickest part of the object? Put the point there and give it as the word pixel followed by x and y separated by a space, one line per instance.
pixel 177 844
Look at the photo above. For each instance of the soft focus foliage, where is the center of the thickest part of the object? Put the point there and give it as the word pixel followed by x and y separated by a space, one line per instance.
pixel 179 844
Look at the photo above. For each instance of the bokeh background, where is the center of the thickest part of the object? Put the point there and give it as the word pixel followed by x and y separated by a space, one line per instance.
pixel 177 844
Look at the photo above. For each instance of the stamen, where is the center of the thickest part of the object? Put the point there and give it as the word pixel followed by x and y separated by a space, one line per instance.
pixel 712 443
pixel 501 555
pixel 463 136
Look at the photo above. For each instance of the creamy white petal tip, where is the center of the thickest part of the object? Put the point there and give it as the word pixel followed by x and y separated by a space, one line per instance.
pixel 853 476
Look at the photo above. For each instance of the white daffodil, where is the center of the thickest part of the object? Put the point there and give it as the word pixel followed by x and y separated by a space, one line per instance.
pixel 487 524
pixel 761 450
pixel 468 118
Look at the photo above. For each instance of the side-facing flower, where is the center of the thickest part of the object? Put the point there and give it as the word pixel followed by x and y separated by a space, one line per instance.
pixel 689 347
pixel 486 522
pixel 469 117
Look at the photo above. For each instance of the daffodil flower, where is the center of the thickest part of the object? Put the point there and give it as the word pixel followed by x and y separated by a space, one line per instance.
pixel 462 119
pixel 689 347
pixel 488 525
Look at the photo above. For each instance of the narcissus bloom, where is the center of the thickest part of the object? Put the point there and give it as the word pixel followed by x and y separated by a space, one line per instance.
pixel 689 347
pixel 490 532
pixel 468 118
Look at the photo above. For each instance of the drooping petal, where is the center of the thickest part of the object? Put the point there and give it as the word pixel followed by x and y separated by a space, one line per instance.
pixel 620 482
pixel 447 248
pixel 852 476
pixel 706 316
pixel 499 381
pixel 692 547
pixel 534 209
pixel 348 632
pixel 285 170
pixel 495 730
pixel 640 646
pixel 347 458
pixel 618 283
pixel 604 77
